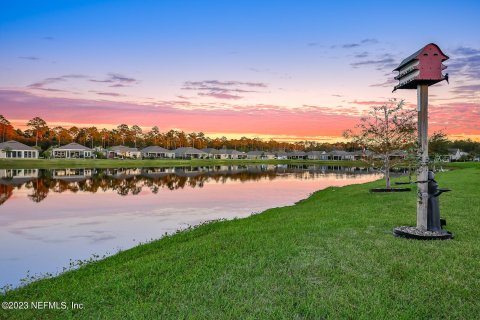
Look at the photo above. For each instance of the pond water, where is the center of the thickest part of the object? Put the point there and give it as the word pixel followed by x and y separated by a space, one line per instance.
pixel 48 217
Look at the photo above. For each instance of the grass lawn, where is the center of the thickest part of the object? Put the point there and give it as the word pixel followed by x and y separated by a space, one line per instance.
pixel 329 256
pixel 115 163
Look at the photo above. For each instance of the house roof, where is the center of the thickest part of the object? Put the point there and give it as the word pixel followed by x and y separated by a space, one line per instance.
pixel 258 153
pixel 214 151
pixel 156 149
pixel 339 153
pixel 123 149
pixel 297 153
pixel 15 145
pixel 188 150
pixel 315 153
pixel 281 153
pixel 73 146
pixel 232 151
pixel 414 55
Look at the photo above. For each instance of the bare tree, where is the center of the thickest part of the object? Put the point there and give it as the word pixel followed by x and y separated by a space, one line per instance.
pixel 387 131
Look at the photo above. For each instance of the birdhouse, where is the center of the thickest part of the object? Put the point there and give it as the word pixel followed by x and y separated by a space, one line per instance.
pixel 423 67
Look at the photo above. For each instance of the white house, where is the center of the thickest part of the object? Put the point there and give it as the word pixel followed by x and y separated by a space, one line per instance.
pixel 157 152
pixel 257 155
pixel 190 153
pixel 235 154
pixel 456 154
pixel 341 155
pixel 213 153
pixel 317 155
pixel 296 155
pixel 16 150
pixel 72 151
pixel 123 152
pixel 281 155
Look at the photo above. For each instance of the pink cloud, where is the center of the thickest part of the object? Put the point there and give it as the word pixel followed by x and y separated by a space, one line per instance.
pixel 262 119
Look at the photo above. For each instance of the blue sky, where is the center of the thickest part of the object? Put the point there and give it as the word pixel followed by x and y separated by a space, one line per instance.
pixel 219 61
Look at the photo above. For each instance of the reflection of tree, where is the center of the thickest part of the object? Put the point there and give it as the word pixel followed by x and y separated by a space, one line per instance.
pixel 40 190
pixel 131 181
pixel 6 192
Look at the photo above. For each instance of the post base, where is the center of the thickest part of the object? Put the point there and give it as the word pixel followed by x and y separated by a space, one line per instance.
pixel 420 234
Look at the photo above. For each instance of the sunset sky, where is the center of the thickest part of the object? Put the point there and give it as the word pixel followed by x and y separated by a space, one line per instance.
pixel 283 69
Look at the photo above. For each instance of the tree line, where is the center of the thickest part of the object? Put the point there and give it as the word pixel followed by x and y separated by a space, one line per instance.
pixel 40 134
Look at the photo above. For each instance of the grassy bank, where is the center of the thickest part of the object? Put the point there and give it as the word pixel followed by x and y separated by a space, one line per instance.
pixel 329 256
pixel 112 163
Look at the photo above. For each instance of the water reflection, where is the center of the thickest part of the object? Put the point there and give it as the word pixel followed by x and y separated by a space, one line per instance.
pixel 50 216
pixel 131 181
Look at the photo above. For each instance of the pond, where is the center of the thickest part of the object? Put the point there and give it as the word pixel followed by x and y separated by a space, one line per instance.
pixel 48 217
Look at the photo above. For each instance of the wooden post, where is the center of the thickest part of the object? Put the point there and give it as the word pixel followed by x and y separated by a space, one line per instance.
pixel 422 177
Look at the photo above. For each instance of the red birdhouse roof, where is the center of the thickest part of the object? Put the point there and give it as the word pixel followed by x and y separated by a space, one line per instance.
pixel 415 55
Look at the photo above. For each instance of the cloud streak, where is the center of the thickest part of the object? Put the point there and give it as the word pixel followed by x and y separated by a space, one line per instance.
pixel 228 90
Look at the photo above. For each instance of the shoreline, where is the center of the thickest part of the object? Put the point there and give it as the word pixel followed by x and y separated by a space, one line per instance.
pixel 207 270
pixel 106 163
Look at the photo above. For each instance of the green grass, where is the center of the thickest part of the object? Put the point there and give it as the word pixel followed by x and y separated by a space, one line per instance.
pixel 329 256
pixel 109 163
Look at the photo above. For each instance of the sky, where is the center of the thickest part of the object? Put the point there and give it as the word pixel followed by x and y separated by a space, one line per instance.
pixel 288 70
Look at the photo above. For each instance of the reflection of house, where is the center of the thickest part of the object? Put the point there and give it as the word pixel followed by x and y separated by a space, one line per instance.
pixel 190 153
pixel 216 154
pixel 157 152
pixel 17 176
pixel 72 174
pixel 72 150
pixel 119 173
pixel 18 173
pixel 234 154
pixel 317 155
pixel 297 155
pixel 456 154
pixel 16 150
pixel 157 172
pixel 123 152
pixel 260 155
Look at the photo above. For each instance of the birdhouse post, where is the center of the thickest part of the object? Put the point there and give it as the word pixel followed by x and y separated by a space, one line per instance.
pixel 419 71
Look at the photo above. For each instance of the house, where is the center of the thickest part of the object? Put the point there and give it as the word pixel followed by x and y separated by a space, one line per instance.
pixel 72 151
pixel 456 154
pixel 157 152
pixel 190 153
pixel 281 155
pixel 123 152
pixel 260 155
pixel 213 153
pixel 340 155
pixel 16 150
pixel 362 154
pixel 297 155
pixel 317 155
pixel 234 154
